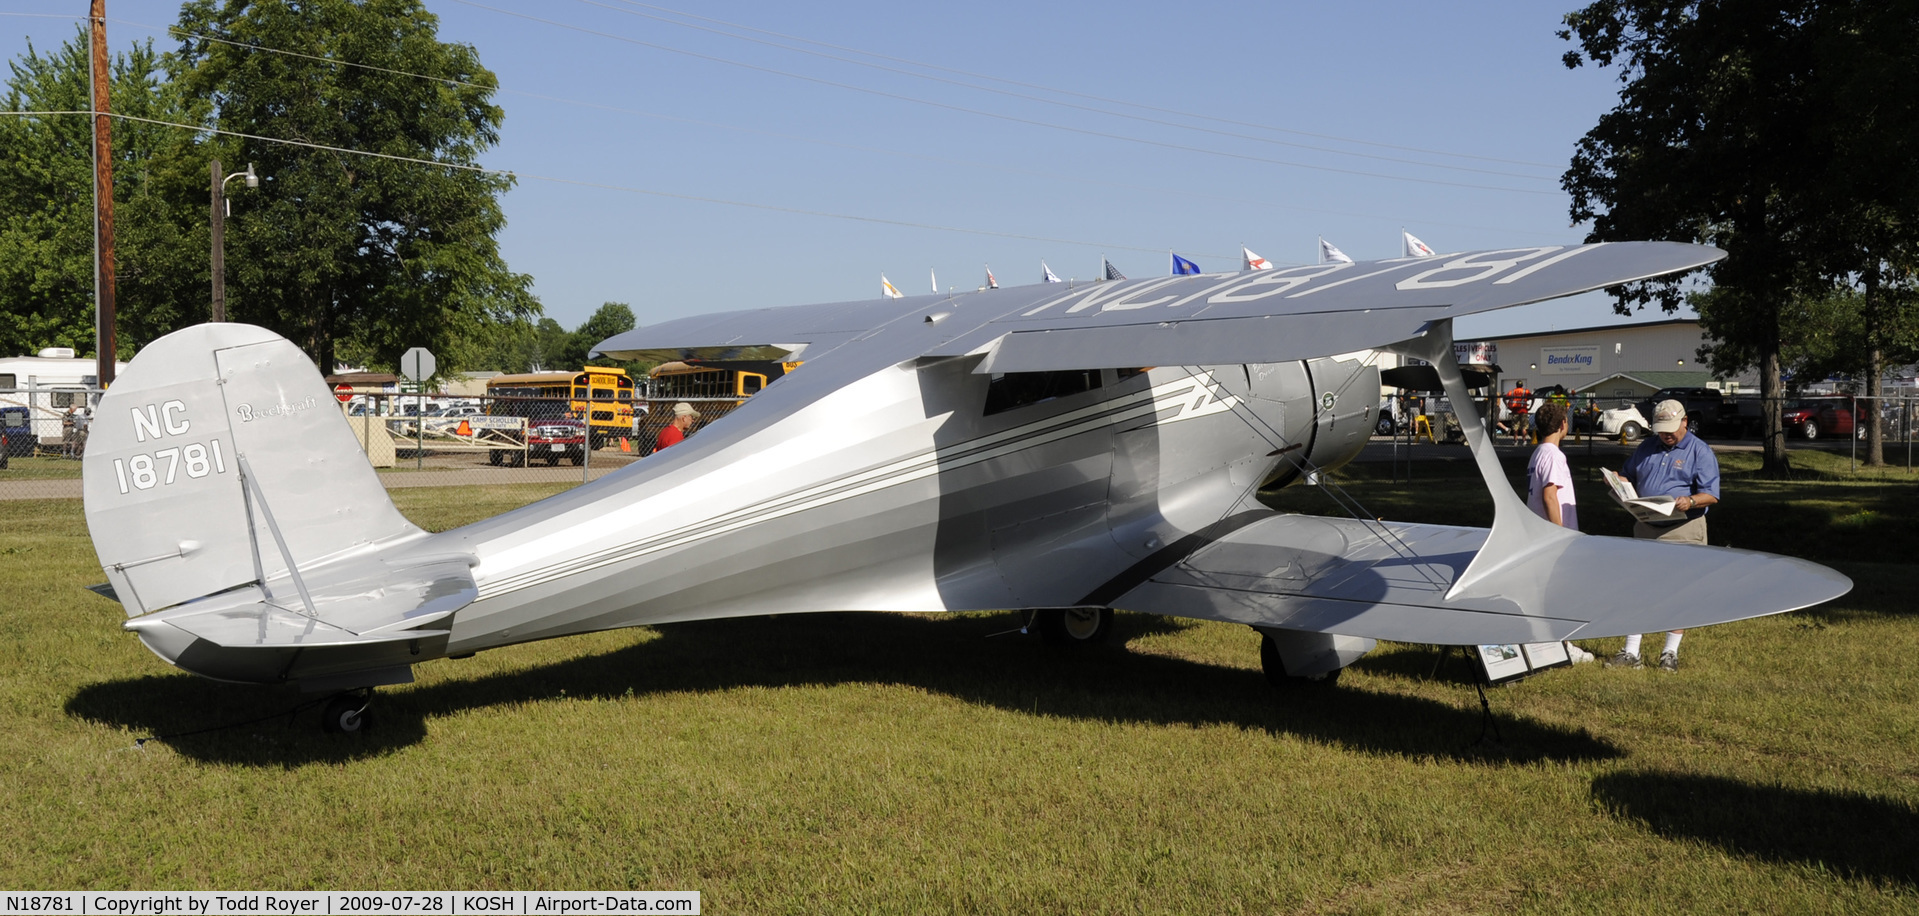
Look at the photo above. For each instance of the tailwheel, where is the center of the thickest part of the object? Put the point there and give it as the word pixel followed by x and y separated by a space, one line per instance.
pixel 1074 627
pixel 346 714
pixel 1275 668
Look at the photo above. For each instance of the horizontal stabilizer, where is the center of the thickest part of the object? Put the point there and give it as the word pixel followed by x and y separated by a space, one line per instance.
pixel 383 603
pixel 1390 580
pixel 367 616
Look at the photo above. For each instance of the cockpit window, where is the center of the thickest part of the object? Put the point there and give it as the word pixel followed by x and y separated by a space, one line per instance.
pixel 1018 389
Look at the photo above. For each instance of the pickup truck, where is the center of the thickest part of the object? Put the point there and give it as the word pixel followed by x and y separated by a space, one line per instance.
pixel 551 439
pixel 1708 412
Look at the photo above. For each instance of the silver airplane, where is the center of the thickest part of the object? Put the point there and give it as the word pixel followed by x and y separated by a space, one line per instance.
pixel 1062 449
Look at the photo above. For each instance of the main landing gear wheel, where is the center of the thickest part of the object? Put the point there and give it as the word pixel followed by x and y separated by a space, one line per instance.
pixel 1275 668
pixel 1074 627
pixel 346 714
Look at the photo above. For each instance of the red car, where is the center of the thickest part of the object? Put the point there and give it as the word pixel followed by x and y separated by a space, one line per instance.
pixel 1813 419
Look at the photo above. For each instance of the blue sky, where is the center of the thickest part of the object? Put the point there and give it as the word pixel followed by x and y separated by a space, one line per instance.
pixel 1263 125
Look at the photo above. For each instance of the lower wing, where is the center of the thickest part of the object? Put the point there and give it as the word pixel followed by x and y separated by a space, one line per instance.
pixel 1388 580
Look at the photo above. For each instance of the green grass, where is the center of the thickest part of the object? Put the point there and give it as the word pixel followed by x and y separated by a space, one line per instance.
pixel 899 763
pixel 41 468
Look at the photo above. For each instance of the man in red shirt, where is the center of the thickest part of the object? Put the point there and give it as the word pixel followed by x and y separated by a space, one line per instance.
pixel 675 432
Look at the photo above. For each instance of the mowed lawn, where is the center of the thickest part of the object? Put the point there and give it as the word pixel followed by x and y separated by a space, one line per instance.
pixel 893 763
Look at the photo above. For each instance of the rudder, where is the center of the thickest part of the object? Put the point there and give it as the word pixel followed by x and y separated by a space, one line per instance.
pixel 170 517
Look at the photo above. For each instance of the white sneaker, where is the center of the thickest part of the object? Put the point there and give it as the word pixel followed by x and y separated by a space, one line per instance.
pixel 1578 655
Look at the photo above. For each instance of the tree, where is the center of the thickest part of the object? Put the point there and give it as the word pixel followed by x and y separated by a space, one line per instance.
pixel 611 318
pixel 46 199
pixel 339 245
pixel 1738 127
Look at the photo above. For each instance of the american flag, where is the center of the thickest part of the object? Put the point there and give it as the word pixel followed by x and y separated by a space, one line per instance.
pixel 1414 247
pixel 1112 273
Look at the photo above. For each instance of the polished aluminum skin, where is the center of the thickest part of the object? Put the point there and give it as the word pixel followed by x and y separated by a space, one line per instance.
pixel 898 469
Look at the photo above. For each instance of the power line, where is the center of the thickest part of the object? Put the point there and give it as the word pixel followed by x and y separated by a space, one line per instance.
pixel 1077 107
pixel 1067 92
pixel 606 186
pixel 988 114
pixel 174 30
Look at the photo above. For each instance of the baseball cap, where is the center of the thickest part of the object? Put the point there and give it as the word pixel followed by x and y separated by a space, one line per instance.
pixel 1667 416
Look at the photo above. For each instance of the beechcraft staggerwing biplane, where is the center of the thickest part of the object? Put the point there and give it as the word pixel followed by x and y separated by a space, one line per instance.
pixel 1067 450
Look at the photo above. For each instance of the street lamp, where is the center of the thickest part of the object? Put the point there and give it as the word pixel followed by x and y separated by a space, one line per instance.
pixel 220 234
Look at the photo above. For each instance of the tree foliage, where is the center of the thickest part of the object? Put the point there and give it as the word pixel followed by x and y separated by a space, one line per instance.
pixel 340 248
pixel 1774 129
pixel 611 318
pixel 526 346
pixel 46 204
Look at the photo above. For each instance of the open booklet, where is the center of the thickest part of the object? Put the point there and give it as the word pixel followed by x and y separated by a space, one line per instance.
pixel 1643 508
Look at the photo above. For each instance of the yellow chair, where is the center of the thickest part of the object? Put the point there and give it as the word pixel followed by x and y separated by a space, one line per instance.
pixel 1423 425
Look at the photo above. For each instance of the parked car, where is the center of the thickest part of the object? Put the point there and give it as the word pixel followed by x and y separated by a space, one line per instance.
pixel 18 426
pixel 1626 422
pixel 1706 409
pixel 1813 419
pixel 551 438
pixel 1388 422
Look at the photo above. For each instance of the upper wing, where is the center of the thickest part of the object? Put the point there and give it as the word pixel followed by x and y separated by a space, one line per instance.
pixel 1246 317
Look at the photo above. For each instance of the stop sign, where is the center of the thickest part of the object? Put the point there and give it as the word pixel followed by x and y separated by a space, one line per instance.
pixel 343 392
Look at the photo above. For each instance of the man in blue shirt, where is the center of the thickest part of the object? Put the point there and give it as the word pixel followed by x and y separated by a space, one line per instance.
pixel 1680 465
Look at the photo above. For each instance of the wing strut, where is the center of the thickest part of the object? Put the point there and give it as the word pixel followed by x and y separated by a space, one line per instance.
pixel 252 492
pixel 1518 536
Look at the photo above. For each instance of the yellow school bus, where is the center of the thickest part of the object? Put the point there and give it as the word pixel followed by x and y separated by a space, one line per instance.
pixel 681 381
pixel 600 396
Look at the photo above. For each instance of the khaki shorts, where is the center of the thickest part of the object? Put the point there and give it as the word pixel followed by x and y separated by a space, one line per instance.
pixel 1692 531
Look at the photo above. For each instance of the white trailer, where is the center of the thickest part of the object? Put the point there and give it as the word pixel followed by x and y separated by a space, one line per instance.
pixel 47 386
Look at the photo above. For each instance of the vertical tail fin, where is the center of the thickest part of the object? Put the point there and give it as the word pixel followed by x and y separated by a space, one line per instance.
pixel 170 516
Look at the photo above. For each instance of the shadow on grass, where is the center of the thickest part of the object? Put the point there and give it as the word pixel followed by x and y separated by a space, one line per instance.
pixel 942 655
pixel 1849 834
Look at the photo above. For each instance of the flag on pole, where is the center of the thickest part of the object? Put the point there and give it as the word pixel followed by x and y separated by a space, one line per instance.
pixel 1046 274
pixel 1111 272
pixel 990 282
pixel 888 290
pixel 1414 247
pixel 1181 266
pixel 1330 254
pixel 1253 261
pixel 935 277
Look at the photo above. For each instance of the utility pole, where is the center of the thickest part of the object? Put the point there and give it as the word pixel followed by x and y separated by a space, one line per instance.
pixel 219 246
pixel 220 233
pixel 102 201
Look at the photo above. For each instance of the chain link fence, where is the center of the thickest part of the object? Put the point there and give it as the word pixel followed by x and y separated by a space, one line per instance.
pixel 411 440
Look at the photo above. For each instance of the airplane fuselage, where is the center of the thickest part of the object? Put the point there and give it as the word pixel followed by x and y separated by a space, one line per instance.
pixel 953 491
